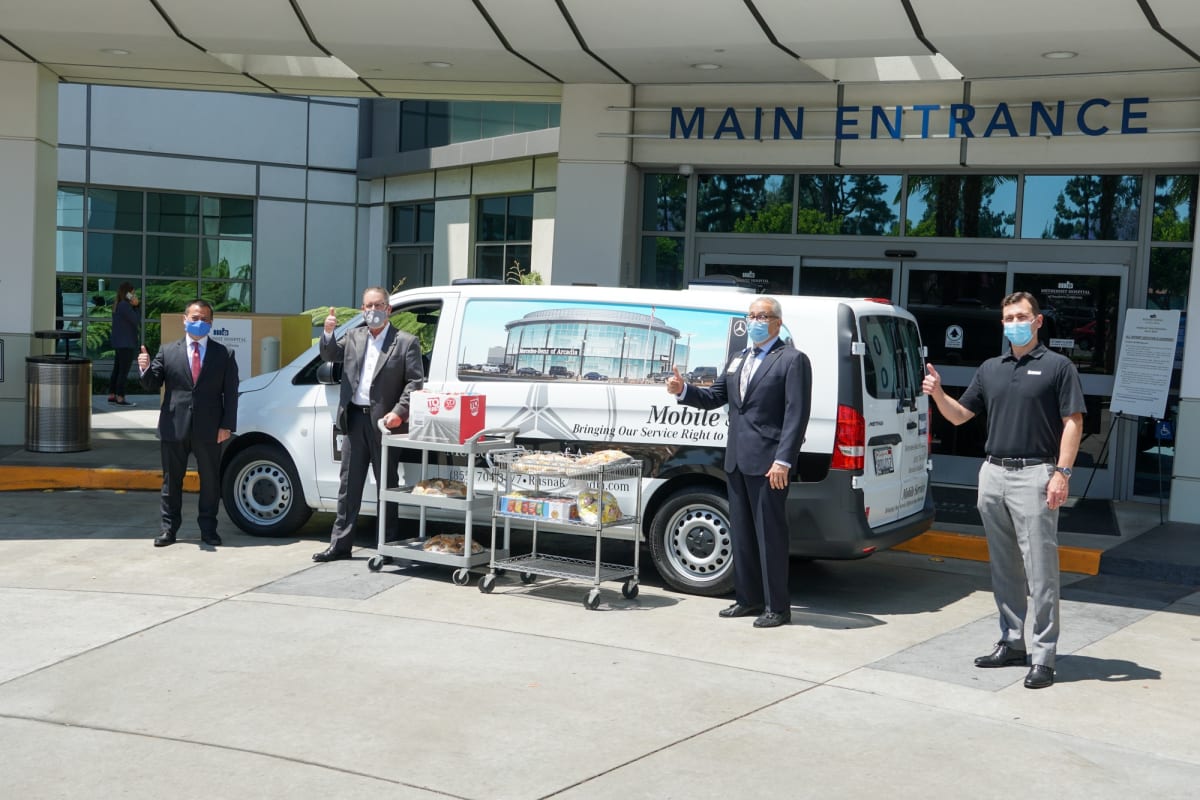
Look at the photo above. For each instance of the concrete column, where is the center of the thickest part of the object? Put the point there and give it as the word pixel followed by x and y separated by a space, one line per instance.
pixel 28 218
pixel 596 199
pixel 1185 481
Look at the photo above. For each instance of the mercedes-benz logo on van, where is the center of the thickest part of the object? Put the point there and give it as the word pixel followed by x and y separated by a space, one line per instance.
pixel 739 327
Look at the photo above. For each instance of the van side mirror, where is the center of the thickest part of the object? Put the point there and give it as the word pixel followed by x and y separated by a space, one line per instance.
pixel 329 373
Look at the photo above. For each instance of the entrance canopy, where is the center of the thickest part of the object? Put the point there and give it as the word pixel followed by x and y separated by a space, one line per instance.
pixel 527 49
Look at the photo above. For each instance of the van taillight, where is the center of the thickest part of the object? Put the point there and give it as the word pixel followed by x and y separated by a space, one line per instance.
pixel 849 440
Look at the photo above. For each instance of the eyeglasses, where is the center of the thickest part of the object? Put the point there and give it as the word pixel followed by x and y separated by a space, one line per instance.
pixel 379 306
pixel 760 317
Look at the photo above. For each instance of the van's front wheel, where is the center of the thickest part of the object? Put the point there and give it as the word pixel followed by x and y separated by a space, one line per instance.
pixel 262 492
pixel 690 542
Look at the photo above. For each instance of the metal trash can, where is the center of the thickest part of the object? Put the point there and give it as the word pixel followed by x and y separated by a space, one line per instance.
pixel 58 400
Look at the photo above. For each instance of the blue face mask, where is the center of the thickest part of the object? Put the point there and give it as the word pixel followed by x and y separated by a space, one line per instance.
pixel 198 328
pixel 1019 333
pixel 758 331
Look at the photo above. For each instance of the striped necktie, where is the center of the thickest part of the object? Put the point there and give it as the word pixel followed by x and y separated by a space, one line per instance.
pixel 747 369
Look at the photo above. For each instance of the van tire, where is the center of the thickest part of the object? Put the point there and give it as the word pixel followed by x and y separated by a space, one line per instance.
pixel 690 542
pixel 262 492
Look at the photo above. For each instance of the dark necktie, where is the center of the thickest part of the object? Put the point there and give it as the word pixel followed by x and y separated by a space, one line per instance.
pixel 747 368
pixel 195 362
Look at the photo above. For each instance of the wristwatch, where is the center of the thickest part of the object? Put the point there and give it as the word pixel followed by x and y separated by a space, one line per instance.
pixel 1066 471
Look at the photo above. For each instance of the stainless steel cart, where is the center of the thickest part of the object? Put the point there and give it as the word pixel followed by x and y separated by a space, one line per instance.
pixel 539 495
pixel 482 444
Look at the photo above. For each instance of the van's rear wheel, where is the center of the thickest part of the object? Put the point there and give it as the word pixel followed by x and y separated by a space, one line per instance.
pixel 262 492
pixel 690 542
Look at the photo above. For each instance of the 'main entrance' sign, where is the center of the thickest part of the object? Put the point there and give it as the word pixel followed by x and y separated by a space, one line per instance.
pixel 963 120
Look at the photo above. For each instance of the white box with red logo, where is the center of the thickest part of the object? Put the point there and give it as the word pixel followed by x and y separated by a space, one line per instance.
pixel 445 416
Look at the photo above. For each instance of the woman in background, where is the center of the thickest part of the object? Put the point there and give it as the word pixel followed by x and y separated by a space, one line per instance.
pixel 125 340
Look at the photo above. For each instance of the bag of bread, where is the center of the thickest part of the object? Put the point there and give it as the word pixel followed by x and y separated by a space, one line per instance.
pixel 593 507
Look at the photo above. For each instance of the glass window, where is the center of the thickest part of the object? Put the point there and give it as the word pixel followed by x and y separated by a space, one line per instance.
pixel 1174 208
pixel 171 255
pixel 425 219
pixel 69 252
pixel 662 262
pixel 437 124
pixel 492 211
pixel 402 224
pixel 855 205
pixel 412 125
pixel 70 206
pixel 973 206
pixel 70 290
pixel 520 218
pixel 497 119
pixel 1170 274
pixel 529 117
pixel 465 121
pixel 226 258
pixel 744 204
pixel 109 253
pixel 233 297
pixel 167 299
pixel 958 313
pixel 113 209
pixel 892 367
pixel 228 216
pixel 172 213
pixel 1085 207
pixel 489 262
pixel 664 202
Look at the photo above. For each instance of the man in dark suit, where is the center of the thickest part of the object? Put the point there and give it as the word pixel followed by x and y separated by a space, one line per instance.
pixel 381 367
pixel 768 389
pixel 199 412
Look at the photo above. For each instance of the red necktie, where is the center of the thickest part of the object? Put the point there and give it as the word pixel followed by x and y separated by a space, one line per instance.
pixel 195 362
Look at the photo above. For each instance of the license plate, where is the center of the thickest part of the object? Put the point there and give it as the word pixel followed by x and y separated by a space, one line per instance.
pixel 884 462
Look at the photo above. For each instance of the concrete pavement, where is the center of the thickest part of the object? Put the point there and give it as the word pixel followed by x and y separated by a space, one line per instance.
pixel 247 671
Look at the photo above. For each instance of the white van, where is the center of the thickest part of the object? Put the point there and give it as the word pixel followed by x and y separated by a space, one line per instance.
pixel 580 369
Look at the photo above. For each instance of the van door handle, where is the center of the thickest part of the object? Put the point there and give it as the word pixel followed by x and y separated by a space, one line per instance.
pixel 890 438
pixel 911 424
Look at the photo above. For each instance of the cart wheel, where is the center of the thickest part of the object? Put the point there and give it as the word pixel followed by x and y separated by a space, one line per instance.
pixel 592 601
pixel 487 583
pixel 629 589
pixel 528 578
pixel 461 577
pixel 376 563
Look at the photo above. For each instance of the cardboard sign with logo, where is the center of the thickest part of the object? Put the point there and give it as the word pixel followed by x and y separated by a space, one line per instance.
pixel 446 416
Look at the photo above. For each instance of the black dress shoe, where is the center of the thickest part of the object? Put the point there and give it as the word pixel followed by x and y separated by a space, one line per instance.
pixel 1040 676
pixel 739 610
pixel 213 539
pixel 1005 655
pixel 329 554
pixel 773 619
pixel 163 539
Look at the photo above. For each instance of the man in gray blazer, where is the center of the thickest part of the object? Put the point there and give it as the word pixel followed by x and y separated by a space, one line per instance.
pixel 381 367
pixel 199 412
pixel 768 389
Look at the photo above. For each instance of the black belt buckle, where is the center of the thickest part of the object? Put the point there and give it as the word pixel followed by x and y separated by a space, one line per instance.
pixel 362 409
pixel 1015 463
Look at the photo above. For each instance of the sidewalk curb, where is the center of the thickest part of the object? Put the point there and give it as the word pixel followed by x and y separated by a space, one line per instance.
pixel 24 479
pixel 1084 560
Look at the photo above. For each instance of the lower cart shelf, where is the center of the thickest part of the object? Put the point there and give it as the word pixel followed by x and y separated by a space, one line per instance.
pixel 564 567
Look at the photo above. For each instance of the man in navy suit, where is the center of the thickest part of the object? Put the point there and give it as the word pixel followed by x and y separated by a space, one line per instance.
pixel 381 367
pixel 198 413
pixel 768 389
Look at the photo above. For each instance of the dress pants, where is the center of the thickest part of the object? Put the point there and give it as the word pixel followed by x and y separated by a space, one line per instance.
pixel 760 542
pixel 174 464
pixel 362 447
pixel 1022 537
pixel 120 371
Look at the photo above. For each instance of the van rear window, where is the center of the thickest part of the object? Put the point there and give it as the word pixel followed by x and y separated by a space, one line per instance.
pixel 892 367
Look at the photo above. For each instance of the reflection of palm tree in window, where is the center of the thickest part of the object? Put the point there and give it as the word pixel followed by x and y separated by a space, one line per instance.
pixel 960 205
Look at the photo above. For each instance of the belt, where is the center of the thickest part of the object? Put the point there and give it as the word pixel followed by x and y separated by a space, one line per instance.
pixel 361 409
pixel 1015 463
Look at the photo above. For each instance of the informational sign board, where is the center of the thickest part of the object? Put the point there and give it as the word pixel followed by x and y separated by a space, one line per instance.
pixel 235 334
pixel 1145 362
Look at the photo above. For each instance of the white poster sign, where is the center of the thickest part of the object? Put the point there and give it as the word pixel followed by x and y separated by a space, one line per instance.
pixel 1145 362
pixel 236 335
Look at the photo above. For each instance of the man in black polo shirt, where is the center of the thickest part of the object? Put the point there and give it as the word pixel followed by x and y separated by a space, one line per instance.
pixel 1034 406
